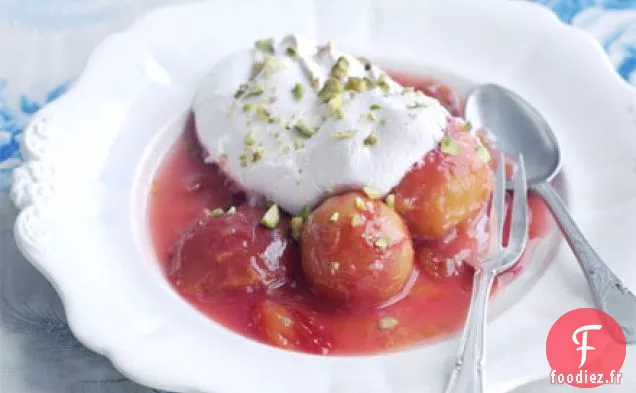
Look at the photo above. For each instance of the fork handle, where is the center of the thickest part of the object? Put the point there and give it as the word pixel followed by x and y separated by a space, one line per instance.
pixel 468 374
pixel 610 295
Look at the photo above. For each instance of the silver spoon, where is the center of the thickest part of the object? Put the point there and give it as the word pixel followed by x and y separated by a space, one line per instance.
pixel 519 128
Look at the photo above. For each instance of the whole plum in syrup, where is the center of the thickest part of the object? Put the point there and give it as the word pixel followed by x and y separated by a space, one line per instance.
pixel 356 251
pixel 232 252
pixel 452 184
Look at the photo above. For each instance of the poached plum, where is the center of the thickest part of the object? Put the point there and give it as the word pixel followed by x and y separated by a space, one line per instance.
pixel 356 251
pixel 233 252
pixel 452 184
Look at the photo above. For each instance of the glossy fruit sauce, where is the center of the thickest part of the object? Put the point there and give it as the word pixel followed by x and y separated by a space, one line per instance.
pixel 432 304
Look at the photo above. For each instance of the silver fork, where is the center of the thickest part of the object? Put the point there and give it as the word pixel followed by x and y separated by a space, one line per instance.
pixel 468 374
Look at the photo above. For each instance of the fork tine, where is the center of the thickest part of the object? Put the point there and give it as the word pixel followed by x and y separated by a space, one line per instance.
pixel 519 222
pixel 499 208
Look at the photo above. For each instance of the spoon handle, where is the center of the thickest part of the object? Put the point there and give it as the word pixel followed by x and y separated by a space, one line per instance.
pixel 468 374
pixel 610 295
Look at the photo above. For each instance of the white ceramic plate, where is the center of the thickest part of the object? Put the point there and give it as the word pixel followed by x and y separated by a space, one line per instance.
pixel 91 154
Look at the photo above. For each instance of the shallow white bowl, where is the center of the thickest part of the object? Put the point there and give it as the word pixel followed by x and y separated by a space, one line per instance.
pixel 90 157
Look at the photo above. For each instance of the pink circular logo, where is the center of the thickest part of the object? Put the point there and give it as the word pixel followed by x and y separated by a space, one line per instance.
pixel 585 348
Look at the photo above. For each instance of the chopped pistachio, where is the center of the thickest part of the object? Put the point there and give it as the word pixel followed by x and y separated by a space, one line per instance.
pixel 382 84
pixel 384 122
pixel 243 160
pixel 334 217
pixel 335 105
pixel 247 107
pixel 334 267
pixel 291 52
pixel 231 210
pixel 331 88
pixel 216 212
pixel 468 126
pixel 356 220
pixel 305 212
pixel 388 323
pixel 262 113
pixel 298 144
pixel 372 192
pixel 273 120
pixel 375 107
pixel 483 153
pixel 257 153
pixel 241 90
pixel 265 45
pixel 390 200
pixel 255 91
pixel 344 134
pixel 371 116
pixel 271 65
pixel 339 70
pixel 383 242
pixel 370 83
pixel 360 205
pixel 271 218
pixel 356 84
pixel 296 226
pixel 304 130
pixel 449 146
pixel 250 138
pixel 298 91
pixel 417 104
pixel 370 140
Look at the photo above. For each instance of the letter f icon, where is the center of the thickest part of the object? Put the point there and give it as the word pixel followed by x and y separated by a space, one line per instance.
pixel 583 344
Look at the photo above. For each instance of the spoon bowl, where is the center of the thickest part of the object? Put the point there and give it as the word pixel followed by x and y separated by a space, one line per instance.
pixel 495 108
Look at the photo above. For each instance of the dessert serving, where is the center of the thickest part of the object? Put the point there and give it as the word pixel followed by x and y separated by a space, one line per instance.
pixel 124 181
pixel 321 204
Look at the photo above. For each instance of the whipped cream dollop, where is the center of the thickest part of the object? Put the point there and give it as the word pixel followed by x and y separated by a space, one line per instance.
pixel 294 121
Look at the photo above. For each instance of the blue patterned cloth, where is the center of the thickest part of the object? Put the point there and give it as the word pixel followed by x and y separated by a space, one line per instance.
pixel 38 353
